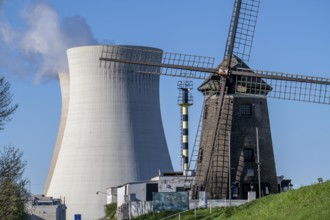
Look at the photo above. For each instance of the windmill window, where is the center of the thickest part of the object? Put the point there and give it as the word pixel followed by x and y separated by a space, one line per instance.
pixel 206 111
pixel 200 157
pixel 248 155
pixel 250 172
pixel 246 110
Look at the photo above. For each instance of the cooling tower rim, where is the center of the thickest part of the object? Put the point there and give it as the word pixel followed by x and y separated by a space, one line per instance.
pixel 154 49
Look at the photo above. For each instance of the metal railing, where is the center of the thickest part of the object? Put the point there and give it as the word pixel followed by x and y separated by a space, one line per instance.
pixel 211 205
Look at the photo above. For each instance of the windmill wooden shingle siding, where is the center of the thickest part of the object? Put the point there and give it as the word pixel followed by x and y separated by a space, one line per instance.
pixel 234 126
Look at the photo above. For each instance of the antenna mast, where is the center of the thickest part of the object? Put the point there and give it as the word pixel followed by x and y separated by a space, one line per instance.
pixel 185 100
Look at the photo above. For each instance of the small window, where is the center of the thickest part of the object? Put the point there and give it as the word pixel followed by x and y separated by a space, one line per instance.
pixel 206 109
pixel 200 155
pixel 246 110
pixel 179 189
pixel 248 155
pixel 250 172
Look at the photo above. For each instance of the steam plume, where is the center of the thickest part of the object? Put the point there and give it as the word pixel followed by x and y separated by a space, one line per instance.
pixel 41 46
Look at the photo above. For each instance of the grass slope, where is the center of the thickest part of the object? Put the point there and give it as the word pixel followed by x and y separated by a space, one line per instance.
pixel 309 202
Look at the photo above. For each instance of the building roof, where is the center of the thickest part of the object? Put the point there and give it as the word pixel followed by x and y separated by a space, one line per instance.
pixel 240 84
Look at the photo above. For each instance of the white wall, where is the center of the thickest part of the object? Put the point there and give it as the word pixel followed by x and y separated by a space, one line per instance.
pixel 121 193
pixel 140 191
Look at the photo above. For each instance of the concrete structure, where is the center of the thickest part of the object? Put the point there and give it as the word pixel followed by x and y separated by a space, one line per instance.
pixel 47 208
pixel 111 130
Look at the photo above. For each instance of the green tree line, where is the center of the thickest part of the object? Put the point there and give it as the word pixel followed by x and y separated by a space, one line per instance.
pixel 14 195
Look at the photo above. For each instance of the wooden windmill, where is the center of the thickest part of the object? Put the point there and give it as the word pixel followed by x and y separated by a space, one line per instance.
pixel 235 119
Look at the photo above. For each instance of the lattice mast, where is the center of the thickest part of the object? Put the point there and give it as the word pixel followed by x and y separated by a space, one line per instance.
pixel 185 100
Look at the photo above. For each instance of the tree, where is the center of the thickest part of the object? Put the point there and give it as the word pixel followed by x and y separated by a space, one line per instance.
pixel 13 193
pixel 110 211
pixel 6 107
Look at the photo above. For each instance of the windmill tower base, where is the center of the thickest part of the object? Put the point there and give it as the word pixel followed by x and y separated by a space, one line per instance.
pixel 249 113
pixel 239 118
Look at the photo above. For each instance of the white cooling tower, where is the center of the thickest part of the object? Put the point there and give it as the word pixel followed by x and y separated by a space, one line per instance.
pixel 110 132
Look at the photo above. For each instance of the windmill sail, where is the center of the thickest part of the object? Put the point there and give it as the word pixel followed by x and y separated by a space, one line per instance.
pixel 283 86
pixel 242 28
pixel 254 82
pixel 173 64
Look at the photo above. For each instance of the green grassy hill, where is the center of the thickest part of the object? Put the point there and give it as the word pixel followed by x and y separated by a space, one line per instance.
pixel 309 202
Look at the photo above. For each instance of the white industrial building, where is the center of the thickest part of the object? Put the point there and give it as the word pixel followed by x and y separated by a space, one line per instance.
pixel 46 208
pixel 110 132
pixel 136 198
pixel 142 190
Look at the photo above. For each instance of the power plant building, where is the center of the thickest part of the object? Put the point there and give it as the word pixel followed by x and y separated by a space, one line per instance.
pixel 110 132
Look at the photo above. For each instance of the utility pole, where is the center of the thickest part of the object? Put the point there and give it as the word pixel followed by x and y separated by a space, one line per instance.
pixel 229 169
pixel 258 161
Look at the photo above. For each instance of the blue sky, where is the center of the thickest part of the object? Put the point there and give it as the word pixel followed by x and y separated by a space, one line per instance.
pixel 291 36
